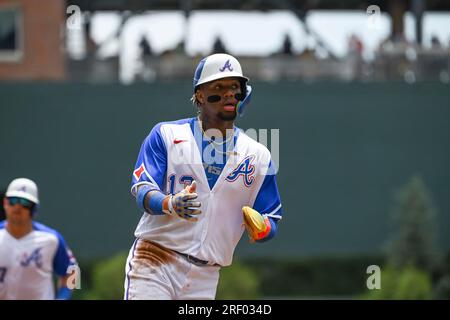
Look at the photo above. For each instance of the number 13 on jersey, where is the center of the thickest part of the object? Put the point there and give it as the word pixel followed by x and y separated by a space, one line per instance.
pixel 184 180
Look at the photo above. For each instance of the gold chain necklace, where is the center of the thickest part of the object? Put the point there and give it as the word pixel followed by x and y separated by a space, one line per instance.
pixel 217 143
pixel 211 140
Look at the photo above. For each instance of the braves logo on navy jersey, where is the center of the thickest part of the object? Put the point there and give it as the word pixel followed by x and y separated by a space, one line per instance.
pixel 35 256
pixel 244 169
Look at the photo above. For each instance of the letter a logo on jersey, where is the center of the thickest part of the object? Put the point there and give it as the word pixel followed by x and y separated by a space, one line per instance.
pixel 35 256
pixel 244 169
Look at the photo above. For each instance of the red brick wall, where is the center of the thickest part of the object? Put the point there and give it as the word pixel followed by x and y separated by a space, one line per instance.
pixel 42 41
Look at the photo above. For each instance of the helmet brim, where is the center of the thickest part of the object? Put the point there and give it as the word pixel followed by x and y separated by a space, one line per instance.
pixel 21 194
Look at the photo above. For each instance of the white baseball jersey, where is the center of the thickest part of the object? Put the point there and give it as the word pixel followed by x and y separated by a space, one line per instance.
pixel 27 264
pixel 172 156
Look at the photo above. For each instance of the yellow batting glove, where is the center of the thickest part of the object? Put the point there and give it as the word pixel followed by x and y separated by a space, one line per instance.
pixel 257 226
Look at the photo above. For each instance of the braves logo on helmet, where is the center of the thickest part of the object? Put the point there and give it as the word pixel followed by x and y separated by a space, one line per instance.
pixel 245 169
pixel 227 65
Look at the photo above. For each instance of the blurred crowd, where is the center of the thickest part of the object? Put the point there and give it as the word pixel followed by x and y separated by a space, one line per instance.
pixel 309 53
pixel 133 46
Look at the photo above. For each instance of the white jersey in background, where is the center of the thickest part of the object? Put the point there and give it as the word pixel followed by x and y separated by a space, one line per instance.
pixel 27 264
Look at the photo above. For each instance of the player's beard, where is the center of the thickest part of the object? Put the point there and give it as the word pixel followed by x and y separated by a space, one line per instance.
pixel 228 116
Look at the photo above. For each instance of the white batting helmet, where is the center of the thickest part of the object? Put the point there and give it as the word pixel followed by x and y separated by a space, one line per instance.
pixel 222 65
pixel 217 66
pixel 23 188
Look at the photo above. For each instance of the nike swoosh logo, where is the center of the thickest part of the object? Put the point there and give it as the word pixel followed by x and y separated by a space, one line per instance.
pixel 176 141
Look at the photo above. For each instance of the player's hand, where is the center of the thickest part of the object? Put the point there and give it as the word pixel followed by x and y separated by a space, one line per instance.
pixel 183 203
pixel 257 225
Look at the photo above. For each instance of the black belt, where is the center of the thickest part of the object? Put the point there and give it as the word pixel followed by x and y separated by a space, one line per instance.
pixel 197 261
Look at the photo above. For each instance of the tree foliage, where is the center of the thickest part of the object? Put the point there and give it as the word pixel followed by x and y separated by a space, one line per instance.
pixel 414 240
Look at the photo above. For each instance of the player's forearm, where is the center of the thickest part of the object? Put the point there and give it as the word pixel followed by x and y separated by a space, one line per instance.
pixel 152 201
pixel 184 203
pixel 63 293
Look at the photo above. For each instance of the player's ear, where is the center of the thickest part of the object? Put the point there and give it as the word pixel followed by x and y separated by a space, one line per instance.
pixel 200 97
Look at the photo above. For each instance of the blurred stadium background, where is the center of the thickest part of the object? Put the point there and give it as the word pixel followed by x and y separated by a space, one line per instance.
pixel 360 91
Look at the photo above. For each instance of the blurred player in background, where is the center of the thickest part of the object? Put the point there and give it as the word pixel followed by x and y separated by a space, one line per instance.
pixel 30 252
pixel 193 180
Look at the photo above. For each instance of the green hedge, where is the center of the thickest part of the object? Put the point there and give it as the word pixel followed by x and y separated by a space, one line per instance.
pixel 238 281
pixel 322 276
pixel 408 283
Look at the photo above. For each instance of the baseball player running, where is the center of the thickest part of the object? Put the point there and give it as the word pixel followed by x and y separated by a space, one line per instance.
pixel 30 252
pixel 200 182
